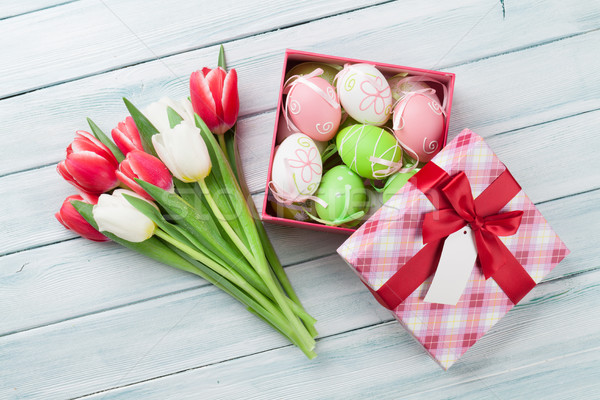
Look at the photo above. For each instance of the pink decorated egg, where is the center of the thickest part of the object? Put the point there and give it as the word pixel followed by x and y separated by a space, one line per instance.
pixel 313 107
pixel 365 94
pixel 419 126
pixel 401 85
pixel 284 131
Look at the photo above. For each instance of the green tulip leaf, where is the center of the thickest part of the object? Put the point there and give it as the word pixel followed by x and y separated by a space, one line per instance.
pixel 174 118
pixel 145 127
pixel 195 223
pixel 224 174
pixel 101 136
pixel 152 247
pixel 222 62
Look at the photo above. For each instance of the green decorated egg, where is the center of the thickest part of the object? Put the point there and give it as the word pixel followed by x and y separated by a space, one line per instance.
pixel 395 183
pixel 343 193
pixel 297 212
pixel 329 70
pixel 370 151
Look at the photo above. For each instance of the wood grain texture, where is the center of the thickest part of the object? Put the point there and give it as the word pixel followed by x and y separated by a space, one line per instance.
pixel 56 112
pixel 383 361
pixel 11 9
pixel 80 318
pixel 40 192
pixel 123 35
pixel 110 341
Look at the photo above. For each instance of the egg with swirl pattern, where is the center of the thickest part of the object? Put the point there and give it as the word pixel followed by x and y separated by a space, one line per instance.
pixel 313 107
pixel 419 125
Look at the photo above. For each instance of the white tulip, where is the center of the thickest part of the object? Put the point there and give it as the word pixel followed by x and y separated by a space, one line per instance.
pixel 114 214
pixel 157 112
pixel 184 152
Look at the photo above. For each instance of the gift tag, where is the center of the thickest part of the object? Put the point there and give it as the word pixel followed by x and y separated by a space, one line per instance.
pixel 453 271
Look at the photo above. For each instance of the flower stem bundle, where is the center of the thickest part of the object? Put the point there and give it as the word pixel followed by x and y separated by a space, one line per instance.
pixel 188 204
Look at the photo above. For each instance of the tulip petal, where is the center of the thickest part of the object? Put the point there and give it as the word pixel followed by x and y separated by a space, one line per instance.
pixel 202 100
pixel 150 169
pixel 116 215
pixel 231 103
pixel 184 152
pixel 72 220
pixel 126 136
pixel 85 141
pixel 215 79
pixel 92 172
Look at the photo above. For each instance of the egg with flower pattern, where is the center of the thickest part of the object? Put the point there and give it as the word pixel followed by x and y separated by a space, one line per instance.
pixel 297 167
pixel 365 94
pixel 313 107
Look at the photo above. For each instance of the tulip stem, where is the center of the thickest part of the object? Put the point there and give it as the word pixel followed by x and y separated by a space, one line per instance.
pixel 225 224
pixel 276 313
pixel 222 143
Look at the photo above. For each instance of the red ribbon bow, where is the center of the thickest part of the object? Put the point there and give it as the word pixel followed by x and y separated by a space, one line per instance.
pixel 456 208
pixel 486 229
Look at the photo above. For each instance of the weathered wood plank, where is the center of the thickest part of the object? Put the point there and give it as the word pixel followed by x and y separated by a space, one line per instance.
pixel 10 9
pixel 93 277
pixel 98 276
pixel 548 333
pixel 39 193
pixel 124 344
pixel 122 35
pixel 200 327
pixel 54 113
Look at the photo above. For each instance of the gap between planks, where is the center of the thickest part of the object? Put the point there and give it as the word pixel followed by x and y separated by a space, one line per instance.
pixel 590 269
pixel 270 110
pixel 182 51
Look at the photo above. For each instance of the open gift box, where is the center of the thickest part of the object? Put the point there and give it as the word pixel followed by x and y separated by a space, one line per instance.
pixel 448 291
pixel 441 82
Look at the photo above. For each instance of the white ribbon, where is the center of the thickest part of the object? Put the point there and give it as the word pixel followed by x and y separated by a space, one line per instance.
pixel 289 86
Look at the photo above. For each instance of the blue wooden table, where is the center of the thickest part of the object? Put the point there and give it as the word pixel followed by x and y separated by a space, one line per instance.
pixel 87 320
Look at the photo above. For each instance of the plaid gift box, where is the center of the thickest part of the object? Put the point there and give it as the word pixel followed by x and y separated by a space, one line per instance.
pixel 387 253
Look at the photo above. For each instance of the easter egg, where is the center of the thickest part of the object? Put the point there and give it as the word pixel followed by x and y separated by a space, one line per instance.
pixel 297 168
pixel 313 107
pixel 343 192
pixel 293 211
pixel 360 145
pixel 365 94
pixel 305 68
pixel 395 183
pixel 419 126
pixel 400 86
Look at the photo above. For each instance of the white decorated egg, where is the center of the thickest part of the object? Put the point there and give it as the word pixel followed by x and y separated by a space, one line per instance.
pixel 365 94
pixel 296 169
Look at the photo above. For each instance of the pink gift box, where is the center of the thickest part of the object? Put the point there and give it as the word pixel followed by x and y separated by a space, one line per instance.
pixel 294 57
pixel 394 235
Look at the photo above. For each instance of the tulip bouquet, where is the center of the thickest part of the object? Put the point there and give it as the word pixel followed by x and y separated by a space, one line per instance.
pixel 170 187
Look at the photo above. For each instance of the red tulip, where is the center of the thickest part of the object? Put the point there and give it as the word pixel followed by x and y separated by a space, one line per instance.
pixel 146 167
pixel 70 218
pixel 215 99
pixel 126 136
pixel 89 165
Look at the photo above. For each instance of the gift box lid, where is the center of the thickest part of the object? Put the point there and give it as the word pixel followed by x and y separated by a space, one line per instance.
pixel 393 236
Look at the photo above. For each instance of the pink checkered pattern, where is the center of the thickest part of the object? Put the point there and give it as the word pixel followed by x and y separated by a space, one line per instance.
pixel 392 236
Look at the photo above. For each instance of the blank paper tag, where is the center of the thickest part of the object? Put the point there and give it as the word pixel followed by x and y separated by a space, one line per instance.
pixel 454 269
